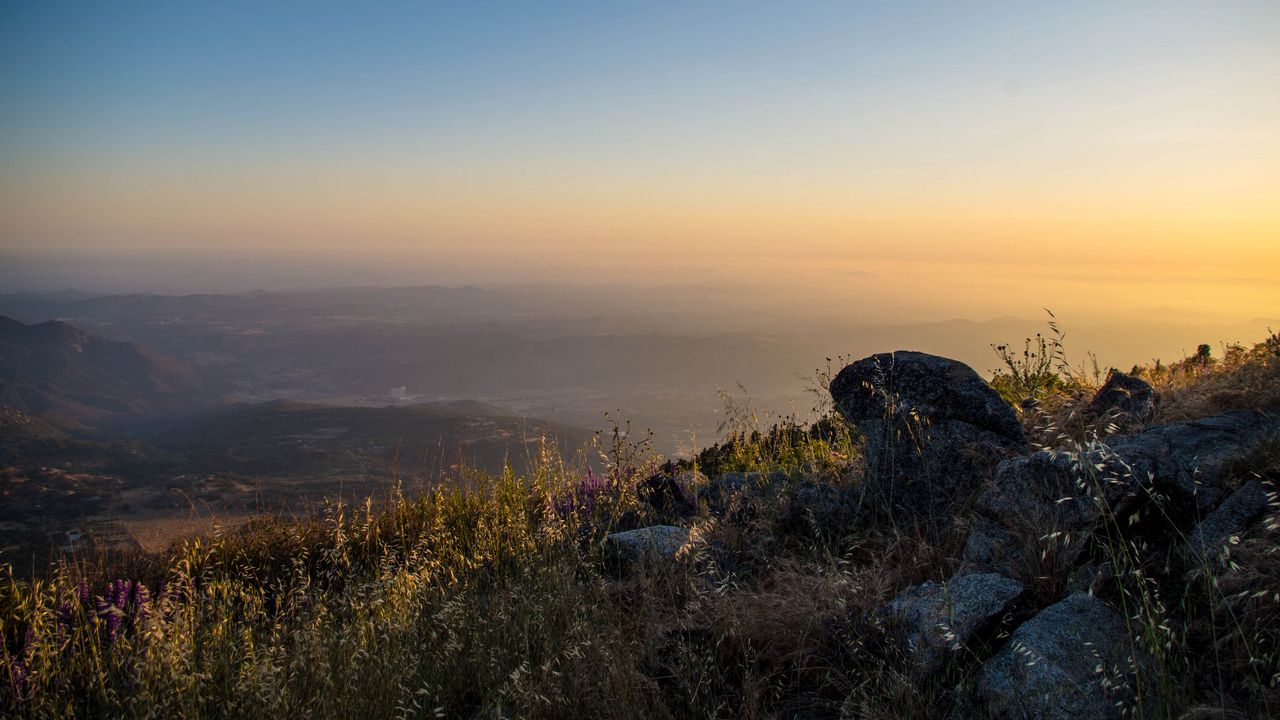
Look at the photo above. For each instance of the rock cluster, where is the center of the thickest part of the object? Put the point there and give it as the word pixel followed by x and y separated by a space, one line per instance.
pixel 1032 522
pixel 1048 503
pixel 1027 609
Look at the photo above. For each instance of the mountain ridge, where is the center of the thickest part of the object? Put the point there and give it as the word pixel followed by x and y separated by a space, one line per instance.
pixel 70 377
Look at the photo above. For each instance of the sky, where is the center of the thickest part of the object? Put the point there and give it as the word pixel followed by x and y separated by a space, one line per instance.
pixel 963 159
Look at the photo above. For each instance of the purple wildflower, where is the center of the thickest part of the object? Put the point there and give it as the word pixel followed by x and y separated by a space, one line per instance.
pixel 584 496
pixel 141 600
pixel 122 605
pixel 18 676
pixel 66 615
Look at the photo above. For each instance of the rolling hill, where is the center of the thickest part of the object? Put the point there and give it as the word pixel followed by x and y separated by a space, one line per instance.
pixel 72 378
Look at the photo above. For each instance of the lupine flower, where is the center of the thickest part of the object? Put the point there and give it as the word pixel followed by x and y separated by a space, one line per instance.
pixel 122 605
pixel 141 600
pixel 593 487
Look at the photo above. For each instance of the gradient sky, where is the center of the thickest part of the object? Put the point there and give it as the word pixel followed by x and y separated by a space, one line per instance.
pixel 993 157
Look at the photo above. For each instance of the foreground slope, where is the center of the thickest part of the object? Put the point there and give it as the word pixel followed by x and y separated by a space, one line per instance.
pixel 766 582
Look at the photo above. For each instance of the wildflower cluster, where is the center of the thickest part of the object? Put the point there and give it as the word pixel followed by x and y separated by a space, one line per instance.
pixel 123 606
pixel 592 491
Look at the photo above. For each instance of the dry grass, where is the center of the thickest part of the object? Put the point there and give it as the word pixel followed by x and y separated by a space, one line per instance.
pixel 1243 378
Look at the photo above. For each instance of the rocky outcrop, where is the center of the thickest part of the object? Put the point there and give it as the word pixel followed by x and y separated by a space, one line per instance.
pixel 936 433
pixel 1046 504
pixel 934 430
pixel 1073 660
pixel 1124 399
pixel 933 621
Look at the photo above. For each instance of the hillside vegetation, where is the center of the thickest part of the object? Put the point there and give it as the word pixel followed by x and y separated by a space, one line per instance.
pixel 500 596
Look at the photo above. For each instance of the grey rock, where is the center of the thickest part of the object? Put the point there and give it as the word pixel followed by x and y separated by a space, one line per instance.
pixel 938 387
pixel 1186 459
pixel 1046 504
pixel 1090 577
pixel 1232 517
pixel 1041 503
pixel 933 430
pixel 1124 399
pixel 992 545
pixel 820 508
pixel 1075 659
pixel 649 545
pixel 720 493
pixel 935 620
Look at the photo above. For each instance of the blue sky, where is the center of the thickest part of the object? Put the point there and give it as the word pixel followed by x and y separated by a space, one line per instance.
pixel 240 75
pixel 763 136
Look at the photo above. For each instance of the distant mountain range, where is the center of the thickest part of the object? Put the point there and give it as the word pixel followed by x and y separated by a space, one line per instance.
pixel 656 356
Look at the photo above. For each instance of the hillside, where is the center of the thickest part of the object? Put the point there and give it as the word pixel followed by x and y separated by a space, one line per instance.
pixel 55 370
pixel 1040 544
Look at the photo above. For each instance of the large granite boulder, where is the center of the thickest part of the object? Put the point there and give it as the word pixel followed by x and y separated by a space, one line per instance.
pixel 934 430
pixel 1075 659
pixel 1046 505
pixel 933 621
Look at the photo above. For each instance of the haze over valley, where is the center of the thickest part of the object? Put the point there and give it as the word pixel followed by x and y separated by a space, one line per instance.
pixel 147 416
